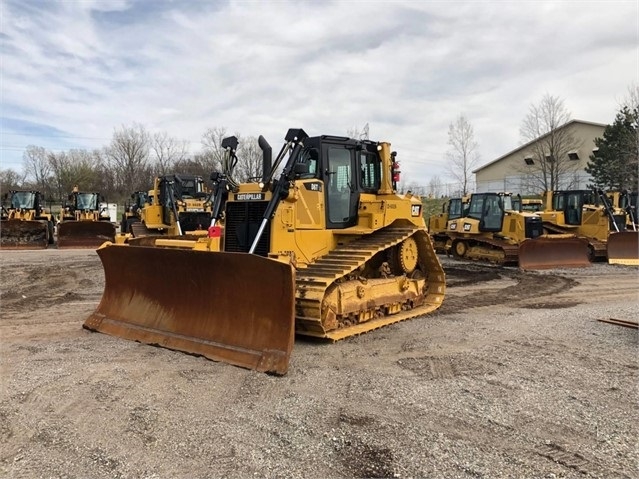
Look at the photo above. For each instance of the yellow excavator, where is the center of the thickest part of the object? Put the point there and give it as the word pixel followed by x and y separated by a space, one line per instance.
pixel 83 223
pixel 589 215
pixel 452 209
pixel 494 231
pixel 326 248
pixel 178 205
pixel 26 224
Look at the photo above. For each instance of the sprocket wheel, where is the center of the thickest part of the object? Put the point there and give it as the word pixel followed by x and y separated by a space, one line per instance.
pixel 404 257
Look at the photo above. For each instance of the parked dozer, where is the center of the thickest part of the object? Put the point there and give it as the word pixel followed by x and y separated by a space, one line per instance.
pixel 588 214
pixel 83 224
pixel 623 243
pixel 326 249
pixel 178 205
pixel 627 202
pixel 452 209
pixel 26 224
pixel 494 231
pixel 133 210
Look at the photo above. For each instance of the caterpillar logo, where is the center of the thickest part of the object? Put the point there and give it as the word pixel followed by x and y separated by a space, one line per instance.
pixel 249 196
pixel 467 226
pixel 416 210
pixel 453 226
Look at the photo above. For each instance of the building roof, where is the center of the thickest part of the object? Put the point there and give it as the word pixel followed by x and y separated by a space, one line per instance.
pixel 526 145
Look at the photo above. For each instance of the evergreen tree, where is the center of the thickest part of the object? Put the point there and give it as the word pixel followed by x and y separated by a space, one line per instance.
pixel 614 166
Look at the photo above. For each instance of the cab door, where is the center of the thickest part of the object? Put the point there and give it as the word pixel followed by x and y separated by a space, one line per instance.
pixel 342 195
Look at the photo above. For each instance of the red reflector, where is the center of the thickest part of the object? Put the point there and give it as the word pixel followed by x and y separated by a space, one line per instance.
pixel 215 232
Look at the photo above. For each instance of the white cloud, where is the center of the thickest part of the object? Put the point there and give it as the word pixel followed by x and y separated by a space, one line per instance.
pixel 406 68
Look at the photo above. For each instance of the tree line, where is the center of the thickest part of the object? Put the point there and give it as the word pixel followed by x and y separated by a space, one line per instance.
pixel 135 156
pixel 130 162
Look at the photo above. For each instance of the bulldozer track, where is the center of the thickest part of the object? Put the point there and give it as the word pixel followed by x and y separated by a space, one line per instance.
pixel 314 280
pixel 510 251
pixel 139 229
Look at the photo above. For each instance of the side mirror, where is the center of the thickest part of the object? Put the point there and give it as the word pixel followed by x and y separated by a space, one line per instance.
pixel 300 169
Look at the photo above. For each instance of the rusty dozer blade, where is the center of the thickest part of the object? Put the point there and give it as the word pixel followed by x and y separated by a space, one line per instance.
pixel 232 307
pixel 546 252
pixel 84 234
pixel 623 248
pixel 23 234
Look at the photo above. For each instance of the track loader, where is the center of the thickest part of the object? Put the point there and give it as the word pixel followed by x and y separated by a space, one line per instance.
pixel 494 231
pixel 325 249
pixel 83 224
pixel 588 214
pixel 452 209
pixel 26 224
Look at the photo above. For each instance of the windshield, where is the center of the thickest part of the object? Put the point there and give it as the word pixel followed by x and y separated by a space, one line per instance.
pixel 508 204
pixel 86 201
pixel 23 200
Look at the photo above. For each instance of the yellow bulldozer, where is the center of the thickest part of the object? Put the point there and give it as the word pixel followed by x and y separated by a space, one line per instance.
pixel 83 223
pixel 452 209
pixel 589 215
pixel 26 224
pixel 178 205
pixel 493 230
pixel 326 248
pixel 626 201
pixel 133 210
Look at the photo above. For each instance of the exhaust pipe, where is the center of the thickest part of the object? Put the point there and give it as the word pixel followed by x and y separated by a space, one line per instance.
pixel 267 153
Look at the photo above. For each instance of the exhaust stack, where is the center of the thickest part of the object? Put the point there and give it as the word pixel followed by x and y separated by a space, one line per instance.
pixel 267 153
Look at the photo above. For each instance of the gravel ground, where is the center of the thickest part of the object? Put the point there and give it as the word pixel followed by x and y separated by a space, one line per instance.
pixel 512 377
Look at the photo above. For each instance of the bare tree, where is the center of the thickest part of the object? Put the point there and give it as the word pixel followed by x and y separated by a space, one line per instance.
pixel 415 188
pixel 37 169
pixel 544 127
pixel 75 168
pixel 213 153
pixel 434 187
pixel 10 180
pixel 128 155
pixel 250 158
pixel 463 155
pixel 166 151
pixel 358 134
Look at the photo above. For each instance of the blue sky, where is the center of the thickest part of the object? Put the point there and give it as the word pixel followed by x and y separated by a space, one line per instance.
pixel 73 71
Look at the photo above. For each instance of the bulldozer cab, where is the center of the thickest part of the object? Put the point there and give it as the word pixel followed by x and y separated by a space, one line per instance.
pixel 24 200
pixel 457 208
pixel 86 201
pixel 346 168
pixel 27 203
pixel 571 203
pixel 488 209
